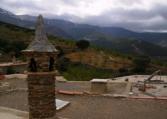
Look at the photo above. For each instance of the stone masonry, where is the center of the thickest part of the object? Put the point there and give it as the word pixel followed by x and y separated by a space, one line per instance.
pixel 41 95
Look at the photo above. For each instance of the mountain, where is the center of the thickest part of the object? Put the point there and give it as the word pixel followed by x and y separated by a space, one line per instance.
pixel 75 31
pixel 80 31
pixel 29 22
pixel 132 46
pixel 153 44
pixel 8 17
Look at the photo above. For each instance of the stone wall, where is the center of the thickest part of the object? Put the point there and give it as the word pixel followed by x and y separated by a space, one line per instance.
pixel 41 95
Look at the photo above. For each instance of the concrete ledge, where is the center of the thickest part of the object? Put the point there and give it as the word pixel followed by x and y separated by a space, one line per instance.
pixel 13 112
pixel 41 73
pixel 99 80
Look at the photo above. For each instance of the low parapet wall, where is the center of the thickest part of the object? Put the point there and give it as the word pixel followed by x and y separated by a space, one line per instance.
pixel 11 68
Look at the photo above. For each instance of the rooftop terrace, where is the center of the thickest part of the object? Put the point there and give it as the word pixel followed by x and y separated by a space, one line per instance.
pixel 85 105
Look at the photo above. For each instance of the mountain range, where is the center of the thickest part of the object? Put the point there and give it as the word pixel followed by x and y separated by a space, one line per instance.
pixel 120 39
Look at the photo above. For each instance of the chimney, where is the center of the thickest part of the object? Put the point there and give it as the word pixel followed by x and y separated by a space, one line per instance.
pixel 41 55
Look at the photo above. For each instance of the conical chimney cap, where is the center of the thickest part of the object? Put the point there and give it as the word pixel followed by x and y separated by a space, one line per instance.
pixel 40 43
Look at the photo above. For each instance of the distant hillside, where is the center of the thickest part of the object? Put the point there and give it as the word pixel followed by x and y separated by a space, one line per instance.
pixel 14 38
pixel 114 38
pixel 81 31
pixel 75 31
pixel 132 46
pixel 127 45
pixel 91 63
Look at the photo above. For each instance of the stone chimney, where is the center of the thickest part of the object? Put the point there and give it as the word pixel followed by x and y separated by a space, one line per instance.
pixel 41 55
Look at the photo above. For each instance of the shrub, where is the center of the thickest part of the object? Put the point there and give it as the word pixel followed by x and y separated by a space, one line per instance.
pixel 82 44
pixel 10 70
pixel 80 72
pixel 123 70
pixel 62 64
pixel 141 63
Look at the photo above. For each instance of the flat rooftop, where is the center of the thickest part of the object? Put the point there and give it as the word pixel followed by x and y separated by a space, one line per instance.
pixel 8 113
pixel 88 106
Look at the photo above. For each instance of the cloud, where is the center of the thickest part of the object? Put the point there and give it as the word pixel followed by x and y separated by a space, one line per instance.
pixel 138 15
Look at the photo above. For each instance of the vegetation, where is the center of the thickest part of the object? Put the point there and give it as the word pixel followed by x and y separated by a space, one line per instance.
pixel 131 46
pixel 62 64
pixel 81 72
pixel 10 70
pixel 97 62
pixel 13 39
pixel 141 63
pixel 82 44
pixel 9 46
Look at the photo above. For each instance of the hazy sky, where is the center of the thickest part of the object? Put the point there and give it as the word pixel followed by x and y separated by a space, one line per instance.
pixel 138 15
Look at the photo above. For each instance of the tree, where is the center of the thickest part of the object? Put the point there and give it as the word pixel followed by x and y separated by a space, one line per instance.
pixel 141 63
pixel 123 70
pixel 61 52
pixel 82 44
pixel 62 64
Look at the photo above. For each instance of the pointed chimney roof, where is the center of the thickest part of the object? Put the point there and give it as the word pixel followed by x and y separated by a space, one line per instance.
pixel 40 43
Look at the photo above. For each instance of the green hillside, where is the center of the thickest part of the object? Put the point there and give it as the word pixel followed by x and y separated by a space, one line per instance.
pixel 128 45
pixel 13 39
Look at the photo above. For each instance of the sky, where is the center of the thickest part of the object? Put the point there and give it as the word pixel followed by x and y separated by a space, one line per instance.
pixel 136 15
